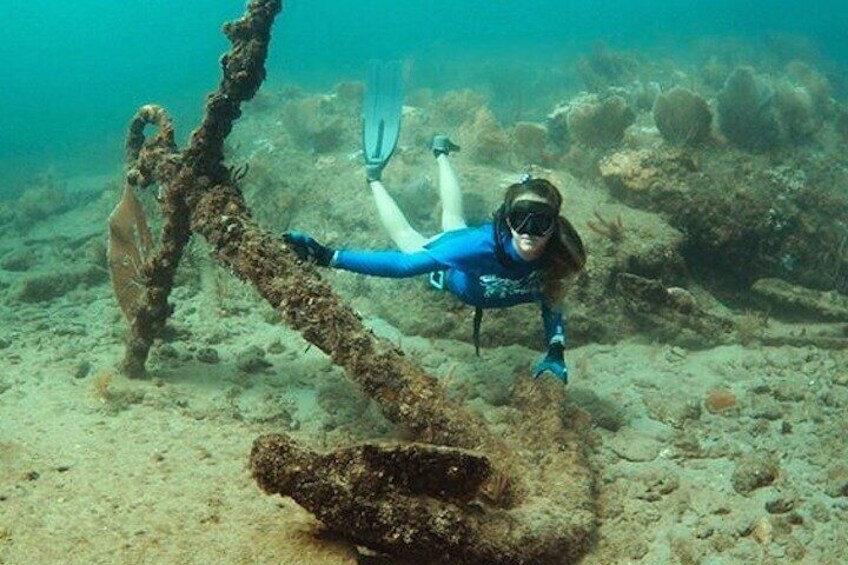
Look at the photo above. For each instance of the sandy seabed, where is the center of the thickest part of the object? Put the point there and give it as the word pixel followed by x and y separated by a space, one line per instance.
pixel 728 455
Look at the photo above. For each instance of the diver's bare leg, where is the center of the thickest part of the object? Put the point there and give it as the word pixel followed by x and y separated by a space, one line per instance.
pixel 453 217
pixel 396 224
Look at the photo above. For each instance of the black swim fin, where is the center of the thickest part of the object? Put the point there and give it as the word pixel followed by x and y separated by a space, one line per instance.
pixel 381 110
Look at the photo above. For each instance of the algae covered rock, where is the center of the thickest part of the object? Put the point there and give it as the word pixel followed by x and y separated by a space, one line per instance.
pixel 683 117
pixel 647 178
pixel 797 300
pixel 19 260
pixel 40 202
pixel 673 314
pixel 752 224
pixel 753 472
pixel 43 287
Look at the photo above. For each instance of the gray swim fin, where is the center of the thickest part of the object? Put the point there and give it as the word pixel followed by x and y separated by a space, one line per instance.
pixel 381 110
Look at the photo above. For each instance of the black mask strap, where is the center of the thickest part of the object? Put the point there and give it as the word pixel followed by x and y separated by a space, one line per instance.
pixel 475 335
pixel 499 226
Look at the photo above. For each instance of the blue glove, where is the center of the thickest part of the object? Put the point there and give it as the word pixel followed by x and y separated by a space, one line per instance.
pixel 553 362
pixel 307 249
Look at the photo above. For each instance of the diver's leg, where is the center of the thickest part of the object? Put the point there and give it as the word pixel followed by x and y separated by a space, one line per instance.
pixel 404 236
pixel 453 217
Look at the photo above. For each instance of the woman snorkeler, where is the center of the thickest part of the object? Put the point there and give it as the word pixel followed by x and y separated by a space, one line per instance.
pixel 523 255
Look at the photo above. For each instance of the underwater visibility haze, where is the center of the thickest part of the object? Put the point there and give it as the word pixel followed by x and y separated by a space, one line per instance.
pixel 74 70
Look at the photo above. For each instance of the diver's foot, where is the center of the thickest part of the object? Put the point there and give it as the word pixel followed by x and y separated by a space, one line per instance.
pixel 373 171
pixel 441 145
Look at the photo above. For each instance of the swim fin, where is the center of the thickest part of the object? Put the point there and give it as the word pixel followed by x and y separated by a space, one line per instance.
pixel 381 109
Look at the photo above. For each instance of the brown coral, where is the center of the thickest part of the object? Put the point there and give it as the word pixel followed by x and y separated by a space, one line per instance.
pixel 599 121
pixel 683 117
pixel 529 140
pixel 485 139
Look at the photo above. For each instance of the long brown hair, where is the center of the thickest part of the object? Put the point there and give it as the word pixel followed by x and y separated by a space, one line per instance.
pixel 564 253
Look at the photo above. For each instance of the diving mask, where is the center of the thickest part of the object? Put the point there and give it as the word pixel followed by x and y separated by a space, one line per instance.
pixel 530 217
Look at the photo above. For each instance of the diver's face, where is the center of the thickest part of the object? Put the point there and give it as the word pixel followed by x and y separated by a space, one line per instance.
pixel 531 221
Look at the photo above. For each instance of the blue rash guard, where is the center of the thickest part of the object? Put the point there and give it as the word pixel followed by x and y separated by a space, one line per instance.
pixel 473 272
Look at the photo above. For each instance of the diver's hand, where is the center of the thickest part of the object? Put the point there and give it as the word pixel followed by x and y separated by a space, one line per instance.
pixel 307 249
pixel 553 362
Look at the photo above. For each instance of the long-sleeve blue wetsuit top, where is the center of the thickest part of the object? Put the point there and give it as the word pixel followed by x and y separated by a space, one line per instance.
pixel 472 271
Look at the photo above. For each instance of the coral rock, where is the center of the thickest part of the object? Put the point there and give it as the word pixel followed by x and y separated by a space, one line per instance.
pixel 720 400
pixel 630 171
pixel 754 472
